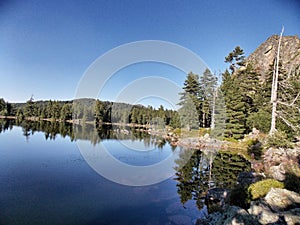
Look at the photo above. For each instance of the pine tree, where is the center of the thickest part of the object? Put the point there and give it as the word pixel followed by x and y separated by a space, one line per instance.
pixel 99 112
pixel 188 112
pixel 65 113
pixel 208 84
pixel 29 108
pixel 236 59
pixel 235 107
pixel 2 106
pixel 250 87
pixel 190 102
pixel 235 98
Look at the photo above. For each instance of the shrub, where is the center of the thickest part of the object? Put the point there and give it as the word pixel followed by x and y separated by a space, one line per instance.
pixel 260 120
pixel 254 146
pixel 261 188
pixel 279 140
pixel 203 131
pixel 177 131
pixel 231 139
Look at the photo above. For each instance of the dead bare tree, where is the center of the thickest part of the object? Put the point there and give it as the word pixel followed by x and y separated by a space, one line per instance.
pixel 288 99
pixel 275 87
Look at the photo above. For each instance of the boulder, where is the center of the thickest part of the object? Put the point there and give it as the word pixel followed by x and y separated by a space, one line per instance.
pixel 206 136
pixel 277 172
pixel 263 213
pixel 292 216
pixel 281 199
pixel 280 206
pixel 278 161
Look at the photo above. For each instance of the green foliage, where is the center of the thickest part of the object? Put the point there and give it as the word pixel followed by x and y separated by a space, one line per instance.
pixel 231 139
pixel 254 147
pixel 188 114
pixel 65 112
pixel 279 140
pixel 175 120
pixel 177 131
pixel 287 112
pixel 2 106
pixel 208 84
pixel 235 58
pixel 30 108
pixel 197 100
pixel 235 107
pixel 261 120
pixel 5 108
pixel 190 102
pixel 261 188
pixel 203 131
pixel 292 182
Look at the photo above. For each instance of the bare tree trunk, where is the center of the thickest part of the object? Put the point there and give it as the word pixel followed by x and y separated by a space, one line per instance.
pixel 210 168
pixel 212 126
pixel 275 87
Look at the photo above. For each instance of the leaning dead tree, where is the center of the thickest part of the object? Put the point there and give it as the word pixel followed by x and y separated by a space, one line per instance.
pixel 287 106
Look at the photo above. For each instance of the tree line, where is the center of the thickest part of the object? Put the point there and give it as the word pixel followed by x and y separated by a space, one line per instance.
pixel 246 98
pixel 89 110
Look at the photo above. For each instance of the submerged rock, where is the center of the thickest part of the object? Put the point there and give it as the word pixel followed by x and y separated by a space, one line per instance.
pixel 180 219
pixel 216 199
pixel 247 178
pixel 232 215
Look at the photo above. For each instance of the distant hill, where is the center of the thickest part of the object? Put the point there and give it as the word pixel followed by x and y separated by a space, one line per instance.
pixel 265 54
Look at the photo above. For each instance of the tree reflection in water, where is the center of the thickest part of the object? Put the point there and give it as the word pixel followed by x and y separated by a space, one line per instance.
pixel 85 131
pixel 195 175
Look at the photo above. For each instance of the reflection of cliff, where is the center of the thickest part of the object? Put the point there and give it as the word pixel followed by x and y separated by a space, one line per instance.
pixel 193 173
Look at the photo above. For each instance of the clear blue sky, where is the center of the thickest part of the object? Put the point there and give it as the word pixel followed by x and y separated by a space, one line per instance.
pixel 45 46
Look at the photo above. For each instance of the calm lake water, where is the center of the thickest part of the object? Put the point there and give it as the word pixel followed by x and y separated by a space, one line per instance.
pixel 44 178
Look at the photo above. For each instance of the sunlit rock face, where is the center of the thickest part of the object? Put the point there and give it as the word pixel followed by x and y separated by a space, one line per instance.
pixel 265 54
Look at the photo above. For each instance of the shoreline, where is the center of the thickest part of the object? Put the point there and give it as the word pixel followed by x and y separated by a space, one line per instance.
pixel 192 142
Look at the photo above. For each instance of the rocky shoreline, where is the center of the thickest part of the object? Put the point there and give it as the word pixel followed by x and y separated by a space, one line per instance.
pixel 279 206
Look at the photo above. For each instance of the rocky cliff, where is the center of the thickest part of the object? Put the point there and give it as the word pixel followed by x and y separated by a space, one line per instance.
pixel 265 54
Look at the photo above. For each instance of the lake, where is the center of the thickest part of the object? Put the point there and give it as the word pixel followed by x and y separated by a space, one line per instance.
pixel 51 173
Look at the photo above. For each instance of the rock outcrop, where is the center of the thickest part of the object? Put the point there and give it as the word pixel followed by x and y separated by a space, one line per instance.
pixel 278 161
pixel 279 206
pixel 265 54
